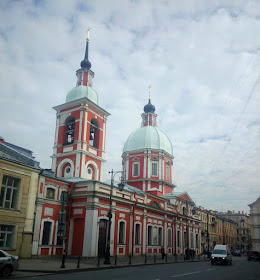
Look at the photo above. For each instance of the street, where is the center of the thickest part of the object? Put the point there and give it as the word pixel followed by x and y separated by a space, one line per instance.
pixel 240 269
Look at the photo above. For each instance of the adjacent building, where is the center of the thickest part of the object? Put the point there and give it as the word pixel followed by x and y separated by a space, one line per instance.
pixel 242 221
pixel 19 175
pixel 255 224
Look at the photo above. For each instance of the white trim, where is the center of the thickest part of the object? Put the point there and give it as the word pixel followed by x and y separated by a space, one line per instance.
pixel 140 234
pixel 62 163
pixel 145 163
pixel 118 229
pixel 95 167
pixel 77 167
pixel 51 233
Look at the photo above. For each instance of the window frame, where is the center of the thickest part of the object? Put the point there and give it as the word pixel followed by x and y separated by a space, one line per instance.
pixel 14 192
pixel 54 193
pixel 149 235
pixel 121 234
pixel 10 231
pixel 153 169
pixel 137 240
pixel 169 237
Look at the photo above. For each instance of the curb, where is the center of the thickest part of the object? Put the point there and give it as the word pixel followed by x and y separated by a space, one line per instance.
pixel 102 268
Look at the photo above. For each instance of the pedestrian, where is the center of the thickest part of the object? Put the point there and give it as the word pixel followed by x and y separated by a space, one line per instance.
pixel 162 252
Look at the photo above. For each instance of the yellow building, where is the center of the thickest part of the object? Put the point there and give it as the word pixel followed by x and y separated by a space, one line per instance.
pixel 242 221
pixel 19 175
pixel 255 224
pixel 215 229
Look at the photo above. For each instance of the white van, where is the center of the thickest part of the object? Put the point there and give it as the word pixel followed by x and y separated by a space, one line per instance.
pixel 221 254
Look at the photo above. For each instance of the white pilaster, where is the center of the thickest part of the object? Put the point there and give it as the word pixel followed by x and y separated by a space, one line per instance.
pixel 90 238
pixel 144 234
pixel 36 233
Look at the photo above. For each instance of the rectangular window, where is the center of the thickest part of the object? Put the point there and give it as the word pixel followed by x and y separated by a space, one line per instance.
pixel 50 193
pixel 191 240
pixel 167 172
pixel 169 237
pixel 137 234
pixel 154 169
pixel 149 239
pixel 6 236
pixel 178 238
pixel 121 239
pixel 46 233
pixel 185 239
pixel 197 240
pixel 160 237
pixel 136 169
pixel 9 192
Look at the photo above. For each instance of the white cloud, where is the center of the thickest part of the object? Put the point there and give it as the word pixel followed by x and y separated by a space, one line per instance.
pixel 201 57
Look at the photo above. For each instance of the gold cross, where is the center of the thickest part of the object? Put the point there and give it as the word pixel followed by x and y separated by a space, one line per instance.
pixel 149 92
pixel 88 34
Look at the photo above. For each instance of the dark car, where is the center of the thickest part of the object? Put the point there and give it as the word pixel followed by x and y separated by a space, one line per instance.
pixel 253 255
pixel 8 263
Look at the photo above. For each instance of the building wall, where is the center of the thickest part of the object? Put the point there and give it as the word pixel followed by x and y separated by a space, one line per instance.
pixel 255 224
pixel 19 219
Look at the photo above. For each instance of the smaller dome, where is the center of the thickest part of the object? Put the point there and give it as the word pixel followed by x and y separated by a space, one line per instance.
pixel 80 92
pixel 148 137
pixel 85 63
pixel 149 108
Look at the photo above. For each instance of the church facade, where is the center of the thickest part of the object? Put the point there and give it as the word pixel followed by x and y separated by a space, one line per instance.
pixel 79 214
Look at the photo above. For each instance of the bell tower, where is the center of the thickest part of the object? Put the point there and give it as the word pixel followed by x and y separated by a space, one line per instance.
pixel 79 145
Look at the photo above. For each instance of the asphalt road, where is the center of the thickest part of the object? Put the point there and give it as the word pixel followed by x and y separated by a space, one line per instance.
pixel 240 269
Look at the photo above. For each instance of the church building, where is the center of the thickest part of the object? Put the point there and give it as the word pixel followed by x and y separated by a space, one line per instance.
pixel 78 213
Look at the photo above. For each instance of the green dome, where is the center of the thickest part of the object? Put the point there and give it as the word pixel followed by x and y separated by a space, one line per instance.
pixel 148 137
pixel 80 92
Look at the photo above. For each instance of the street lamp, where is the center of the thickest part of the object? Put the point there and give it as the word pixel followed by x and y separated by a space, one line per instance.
pixel 208 231
pixel 109 214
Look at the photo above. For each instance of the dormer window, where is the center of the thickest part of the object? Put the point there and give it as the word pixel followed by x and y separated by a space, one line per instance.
pixel 50 193
pixel 69 130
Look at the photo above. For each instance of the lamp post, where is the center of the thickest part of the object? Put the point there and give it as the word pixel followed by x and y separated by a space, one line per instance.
pixel 208 232
pixel 109 214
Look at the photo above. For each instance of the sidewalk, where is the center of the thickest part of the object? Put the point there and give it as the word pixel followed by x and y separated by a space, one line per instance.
pixel 53 264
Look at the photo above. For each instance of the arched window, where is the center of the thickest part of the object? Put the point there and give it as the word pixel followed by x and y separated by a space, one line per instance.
pixel 67 172
pixel 90 172
pixel 69 130
pixel 136 167
pixel 94 133
pixel 46 233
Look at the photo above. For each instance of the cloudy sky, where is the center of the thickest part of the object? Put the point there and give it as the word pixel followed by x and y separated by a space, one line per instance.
pixel 202 59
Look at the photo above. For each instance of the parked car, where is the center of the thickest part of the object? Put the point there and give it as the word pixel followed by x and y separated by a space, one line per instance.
pixel 8 263
pixel 221 254
pixel 253 255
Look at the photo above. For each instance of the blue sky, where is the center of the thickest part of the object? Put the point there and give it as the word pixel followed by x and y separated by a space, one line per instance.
pixel 201 58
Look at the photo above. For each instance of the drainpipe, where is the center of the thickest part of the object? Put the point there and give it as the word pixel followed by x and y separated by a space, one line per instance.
pixel 71 185
pixel 133 230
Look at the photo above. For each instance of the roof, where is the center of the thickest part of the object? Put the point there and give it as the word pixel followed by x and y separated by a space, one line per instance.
pixel 148 137
pixel 18 154
pixel 82 91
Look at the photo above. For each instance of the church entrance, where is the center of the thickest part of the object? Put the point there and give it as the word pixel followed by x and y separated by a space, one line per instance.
pixel 102 238
pixel 78 235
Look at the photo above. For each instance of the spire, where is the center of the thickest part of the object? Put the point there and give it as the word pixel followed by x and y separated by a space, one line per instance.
pixel 86 63
pixel 149 108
